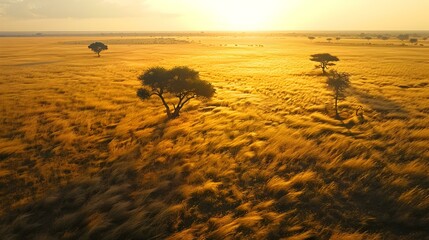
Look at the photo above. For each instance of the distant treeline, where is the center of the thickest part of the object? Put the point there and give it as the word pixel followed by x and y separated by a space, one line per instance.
pixel 126 41
pixel 210 33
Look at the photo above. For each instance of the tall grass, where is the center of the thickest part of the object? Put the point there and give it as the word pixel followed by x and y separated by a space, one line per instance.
pixel 82 157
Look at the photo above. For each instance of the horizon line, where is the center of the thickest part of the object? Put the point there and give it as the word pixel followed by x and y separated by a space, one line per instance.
pixel 206 31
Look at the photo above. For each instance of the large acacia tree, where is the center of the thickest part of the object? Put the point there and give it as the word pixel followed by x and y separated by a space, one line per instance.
pixel 183 83
pixel 98 47
pixel 325 60
pixel 338 82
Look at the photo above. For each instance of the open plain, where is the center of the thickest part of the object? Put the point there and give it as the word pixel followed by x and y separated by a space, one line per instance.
pixel 81 156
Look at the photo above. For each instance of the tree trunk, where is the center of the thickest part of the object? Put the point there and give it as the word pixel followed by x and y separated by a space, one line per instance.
pixel 169 116
pixel 167 108
pixel 98 54
pixel 336 105
pixel 176 112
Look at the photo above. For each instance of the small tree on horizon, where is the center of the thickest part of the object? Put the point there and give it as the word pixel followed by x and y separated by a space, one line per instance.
pixel 403 37
pixel 183 83
pixel 325 60
pixel 368 38
pixel 338 82
pixel 98 47
pixel 414 41
pixel 311 38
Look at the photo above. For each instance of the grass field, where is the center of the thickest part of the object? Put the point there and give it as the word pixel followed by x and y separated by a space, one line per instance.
pixel 82 157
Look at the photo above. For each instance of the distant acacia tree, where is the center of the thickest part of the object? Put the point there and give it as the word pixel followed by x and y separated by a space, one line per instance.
pixel 414 41
pixel 329 39
pixel 403 37
pixel 311 38
pixel 97 47
pixel 338 82
pixel 325 60
pixel 181 82
pixel 338 38
pixel 368 38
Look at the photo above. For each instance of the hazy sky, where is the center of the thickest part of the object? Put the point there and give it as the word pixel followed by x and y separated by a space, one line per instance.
pixel 176 15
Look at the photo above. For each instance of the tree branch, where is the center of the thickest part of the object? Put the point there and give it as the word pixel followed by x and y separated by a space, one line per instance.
pixel 180 96
pixel 187 100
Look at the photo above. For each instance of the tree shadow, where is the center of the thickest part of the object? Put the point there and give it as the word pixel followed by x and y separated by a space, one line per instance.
pixel 380 104
pixel 30 64
pixel 313 73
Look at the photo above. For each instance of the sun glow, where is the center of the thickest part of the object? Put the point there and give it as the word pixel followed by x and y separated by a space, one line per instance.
pixel 245 15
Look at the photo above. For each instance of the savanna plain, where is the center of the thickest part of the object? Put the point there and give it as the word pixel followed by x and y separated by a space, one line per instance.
pixel 82 157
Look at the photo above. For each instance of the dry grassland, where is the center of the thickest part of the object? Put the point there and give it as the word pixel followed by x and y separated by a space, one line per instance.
pixel 82 157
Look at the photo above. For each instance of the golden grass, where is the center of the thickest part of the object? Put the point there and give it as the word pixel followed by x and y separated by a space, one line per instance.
pixel 82 157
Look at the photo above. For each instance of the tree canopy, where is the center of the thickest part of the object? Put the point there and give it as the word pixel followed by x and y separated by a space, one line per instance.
pixel 183 83
pixel 325 60
pixel 98 47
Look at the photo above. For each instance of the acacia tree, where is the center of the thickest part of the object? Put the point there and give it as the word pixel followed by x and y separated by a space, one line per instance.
pixel 181 82
pixel 414 41
pixel 338 82
pixel 97 47
pixel 325 60
pixel 368 38
pixel 403 37
pixel 311 38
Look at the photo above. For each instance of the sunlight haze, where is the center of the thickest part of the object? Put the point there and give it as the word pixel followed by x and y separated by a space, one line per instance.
pixel 221 15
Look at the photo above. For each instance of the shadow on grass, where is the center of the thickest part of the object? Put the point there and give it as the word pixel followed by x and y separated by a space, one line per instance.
pixel 30 64
pixel 380 104
pixel 369 206
pixel 84 208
